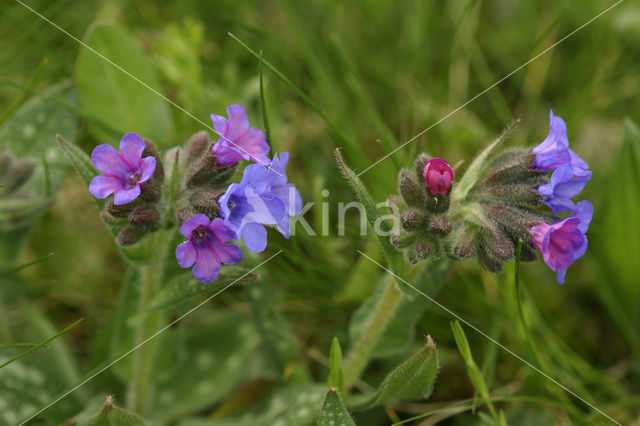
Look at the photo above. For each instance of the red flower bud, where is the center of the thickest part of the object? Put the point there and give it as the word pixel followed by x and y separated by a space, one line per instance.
pixel 438 176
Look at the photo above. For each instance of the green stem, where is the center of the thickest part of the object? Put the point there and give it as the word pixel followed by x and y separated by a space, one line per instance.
pixel 531 341
pixel 359 356
pixel 140 391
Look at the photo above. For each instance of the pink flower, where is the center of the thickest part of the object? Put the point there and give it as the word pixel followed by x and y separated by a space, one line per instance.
pixel 237 140
pixel 124 171
pixel 563 242
pixel 438 176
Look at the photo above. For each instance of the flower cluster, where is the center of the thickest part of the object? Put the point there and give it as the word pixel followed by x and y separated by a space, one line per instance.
pixel 570 173
pixel 210 211
pixel 423 204
pixel 502 202
pixel 563 241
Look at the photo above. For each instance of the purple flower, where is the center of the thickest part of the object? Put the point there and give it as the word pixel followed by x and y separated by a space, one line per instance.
pixel 553 152
pixel 262 197
pixel 564 241
pixel 570 173
pixel 237 140
pixel 205 247
pixel 124 172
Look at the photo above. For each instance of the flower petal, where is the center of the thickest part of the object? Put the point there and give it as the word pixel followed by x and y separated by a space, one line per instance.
pixel 558 205
pixel 227 253
pixel 255 237
pixel 207 265
pixel 277 168
pixel 584 211
pixel 560 275
pixel 284 225
pixel 290 197
pixel 219 123
pixel 147 167
pixel 266 209
pixel 226 155
pixel 131 147
pixel 238 123
pixel 258 177
pixel 253 146
pixel 222 231
pixel 186 254
pixel 125 196
pixel 102 186
pixel 192 223
pixel 108 161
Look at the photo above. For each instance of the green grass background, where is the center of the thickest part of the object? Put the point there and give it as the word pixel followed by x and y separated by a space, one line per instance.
pixel 380 72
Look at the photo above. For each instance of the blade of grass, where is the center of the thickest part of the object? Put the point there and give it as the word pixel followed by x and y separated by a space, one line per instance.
pixel 26 265
pixel 40 345
pixel 263 103
pixel 18 345
pixel 310 102
pixel 529 337
pixel 25 94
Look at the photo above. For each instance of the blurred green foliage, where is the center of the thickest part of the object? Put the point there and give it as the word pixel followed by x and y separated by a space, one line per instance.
pixel 378 74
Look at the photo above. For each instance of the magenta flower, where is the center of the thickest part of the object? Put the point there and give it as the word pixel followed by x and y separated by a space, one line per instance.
pixel 563 242
pixel 438 176
pixel 205 247
pixel 124 172
pixel 237 140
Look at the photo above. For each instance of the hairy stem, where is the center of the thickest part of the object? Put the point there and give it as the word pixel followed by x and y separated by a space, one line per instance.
pixel 140 391
pixel 361 353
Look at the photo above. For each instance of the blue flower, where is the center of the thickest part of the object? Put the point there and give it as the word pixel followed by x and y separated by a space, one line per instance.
pixel 570 172
pixel 262 197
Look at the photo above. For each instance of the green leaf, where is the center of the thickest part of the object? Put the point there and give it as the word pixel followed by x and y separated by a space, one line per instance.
pixel 336 377
pixel 18 213
pixel 400 332
pixel 62 353
pixel 474 373
pixel 26 386
pixel 333 411
pixel 177 54
pixel 60 356
pixel 29 133
pixel 288 406
pixel 393 256
pixel 124 333
pixel 275 330
pixel 615 232
pixel 115 101
pixel 413 379
pixel 80 161
pixel 110 415
pixel 183 286
pixel 208 363
pixel 473 172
